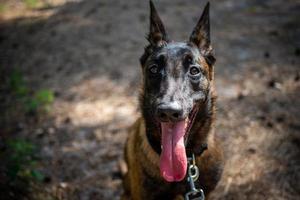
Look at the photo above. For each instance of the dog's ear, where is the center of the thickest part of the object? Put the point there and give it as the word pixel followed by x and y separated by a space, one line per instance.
pixel 201 36
pixel 157 35
pixel 201 33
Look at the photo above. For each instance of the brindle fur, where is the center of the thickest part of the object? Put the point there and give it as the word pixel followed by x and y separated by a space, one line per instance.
pixel 143 179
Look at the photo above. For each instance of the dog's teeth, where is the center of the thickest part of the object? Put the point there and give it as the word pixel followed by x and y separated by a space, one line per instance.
pixel 161 147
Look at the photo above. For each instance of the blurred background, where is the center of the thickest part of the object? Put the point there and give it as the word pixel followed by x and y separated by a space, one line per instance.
pixel 69 79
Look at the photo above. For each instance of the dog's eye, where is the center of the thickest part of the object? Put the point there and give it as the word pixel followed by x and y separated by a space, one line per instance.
pixel 194 70
pixel 153 69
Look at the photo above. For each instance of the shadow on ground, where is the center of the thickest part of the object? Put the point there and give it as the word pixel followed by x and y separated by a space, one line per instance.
pixel 87 53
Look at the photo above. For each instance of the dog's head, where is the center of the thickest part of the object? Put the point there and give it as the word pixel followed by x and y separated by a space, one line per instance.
pixel 176 83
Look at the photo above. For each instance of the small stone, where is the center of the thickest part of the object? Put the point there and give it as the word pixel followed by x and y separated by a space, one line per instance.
pixel 274 84
pixel 67 120
pixel 269 124
pixel 39 132
pixel 251 150
pixel 51 130
pixel 271 83
pixel 20 127
pixel 63 185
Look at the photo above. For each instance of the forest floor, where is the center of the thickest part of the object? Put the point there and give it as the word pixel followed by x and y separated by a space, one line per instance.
pixel 87 53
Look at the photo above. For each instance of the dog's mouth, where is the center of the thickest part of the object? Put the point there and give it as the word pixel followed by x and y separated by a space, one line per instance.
pixel 174 136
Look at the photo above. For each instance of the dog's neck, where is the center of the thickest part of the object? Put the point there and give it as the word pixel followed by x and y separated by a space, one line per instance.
pixel 198 133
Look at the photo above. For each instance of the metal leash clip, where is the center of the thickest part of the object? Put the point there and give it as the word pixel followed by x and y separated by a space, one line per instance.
pixel 193 175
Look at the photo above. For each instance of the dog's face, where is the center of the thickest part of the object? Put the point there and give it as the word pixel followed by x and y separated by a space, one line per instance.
pixel 176 83
pixel 176 78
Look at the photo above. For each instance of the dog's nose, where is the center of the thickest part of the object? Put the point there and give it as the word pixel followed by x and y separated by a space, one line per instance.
pixel 169 112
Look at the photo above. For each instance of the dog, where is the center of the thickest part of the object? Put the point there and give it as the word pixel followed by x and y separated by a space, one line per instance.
pixel 177 102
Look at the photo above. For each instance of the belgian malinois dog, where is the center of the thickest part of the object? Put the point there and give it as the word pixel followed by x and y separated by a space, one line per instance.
pixel 177 101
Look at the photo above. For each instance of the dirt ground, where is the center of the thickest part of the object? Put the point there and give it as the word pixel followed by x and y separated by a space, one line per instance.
pixel 88 52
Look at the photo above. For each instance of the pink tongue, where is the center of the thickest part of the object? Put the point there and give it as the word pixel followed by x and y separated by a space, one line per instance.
pixel 173 161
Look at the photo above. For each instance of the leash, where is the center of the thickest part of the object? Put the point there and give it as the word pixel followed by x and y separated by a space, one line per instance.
pixel 192 177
